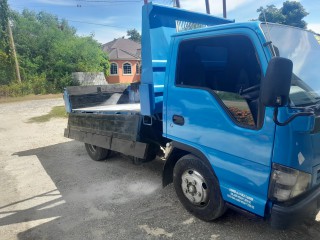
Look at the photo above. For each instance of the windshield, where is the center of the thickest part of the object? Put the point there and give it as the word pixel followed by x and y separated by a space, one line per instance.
pixel 303 48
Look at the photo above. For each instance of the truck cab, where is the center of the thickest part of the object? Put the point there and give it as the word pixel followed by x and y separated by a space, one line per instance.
pixel 214 113
pixel 213 104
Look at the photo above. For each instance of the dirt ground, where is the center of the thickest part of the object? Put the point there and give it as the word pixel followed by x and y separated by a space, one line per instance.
pixel 50 189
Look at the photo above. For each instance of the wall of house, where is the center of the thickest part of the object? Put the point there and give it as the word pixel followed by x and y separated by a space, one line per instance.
pixel 120 77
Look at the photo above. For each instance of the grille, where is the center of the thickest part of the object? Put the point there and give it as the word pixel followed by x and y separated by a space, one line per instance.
pixel 182 26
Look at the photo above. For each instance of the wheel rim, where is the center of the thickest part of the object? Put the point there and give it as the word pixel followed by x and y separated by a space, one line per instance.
pixel 92 148
pixel 194 187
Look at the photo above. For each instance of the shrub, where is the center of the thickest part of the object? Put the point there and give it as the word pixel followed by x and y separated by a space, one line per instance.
pixel 37 85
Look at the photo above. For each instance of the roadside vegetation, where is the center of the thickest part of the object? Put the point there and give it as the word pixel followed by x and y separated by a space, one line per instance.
pixel 56 112
pixel 48 51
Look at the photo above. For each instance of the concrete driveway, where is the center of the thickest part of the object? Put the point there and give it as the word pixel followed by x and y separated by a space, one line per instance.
pixel 50 189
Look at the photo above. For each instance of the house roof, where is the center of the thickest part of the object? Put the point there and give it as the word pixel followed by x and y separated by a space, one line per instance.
pixel 122 49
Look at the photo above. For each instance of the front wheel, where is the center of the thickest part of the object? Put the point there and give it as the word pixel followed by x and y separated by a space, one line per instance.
pixel 97 153
pixel 197 188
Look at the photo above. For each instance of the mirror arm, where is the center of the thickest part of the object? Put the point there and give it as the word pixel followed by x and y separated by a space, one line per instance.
pixel 275 117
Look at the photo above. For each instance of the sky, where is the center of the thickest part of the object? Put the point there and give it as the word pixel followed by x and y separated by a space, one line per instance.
pixel 110 19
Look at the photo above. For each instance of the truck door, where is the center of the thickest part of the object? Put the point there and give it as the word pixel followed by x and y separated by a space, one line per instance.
pixel 213 106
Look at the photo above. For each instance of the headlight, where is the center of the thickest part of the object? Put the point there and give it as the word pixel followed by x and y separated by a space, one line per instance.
pixel 287 183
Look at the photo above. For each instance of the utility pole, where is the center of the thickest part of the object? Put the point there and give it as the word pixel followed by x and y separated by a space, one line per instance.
pixel 224 8
pixel 14 52
pixel 207 6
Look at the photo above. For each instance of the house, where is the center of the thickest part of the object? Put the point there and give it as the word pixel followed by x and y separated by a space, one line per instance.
pixel 125 60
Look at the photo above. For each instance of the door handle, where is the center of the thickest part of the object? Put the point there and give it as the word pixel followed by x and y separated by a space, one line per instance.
pixel 179 120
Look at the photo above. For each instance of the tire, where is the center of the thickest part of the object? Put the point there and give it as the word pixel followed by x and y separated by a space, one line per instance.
pixel 97 153
pixel 198 188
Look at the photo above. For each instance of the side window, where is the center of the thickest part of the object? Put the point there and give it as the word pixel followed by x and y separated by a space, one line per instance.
pixel 138 69
pixel 227 66
pixel 127 69
pixel 114 69
pixel 237 106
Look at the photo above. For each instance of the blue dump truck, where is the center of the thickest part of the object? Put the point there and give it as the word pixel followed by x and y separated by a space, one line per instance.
pixel 234 109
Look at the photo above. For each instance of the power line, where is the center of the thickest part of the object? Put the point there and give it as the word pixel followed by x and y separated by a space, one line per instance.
pixel 91 23
pixel 92 3
pixel 76 5
pixel 99 24
pixel 110 1
pixel 105 3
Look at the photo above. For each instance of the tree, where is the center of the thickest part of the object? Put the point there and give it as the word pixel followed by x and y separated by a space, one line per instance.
pixel 294 13
pixel 49 47
pixel 271 14
pixel 4 33
pixel 291 13
pixel 134 35
pixel 6 61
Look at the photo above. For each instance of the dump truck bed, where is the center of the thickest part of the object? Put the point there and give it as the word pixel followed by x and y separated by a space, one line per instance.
pixel 109 117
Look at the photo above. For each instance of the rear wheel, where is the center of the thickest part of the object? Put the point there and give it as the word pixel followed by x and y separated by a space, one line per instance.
pixel 197 188
pixel 97 153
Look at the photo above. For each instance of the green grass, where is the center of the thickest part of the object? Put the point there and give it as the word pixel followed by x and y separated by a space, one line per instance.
pixel 56 112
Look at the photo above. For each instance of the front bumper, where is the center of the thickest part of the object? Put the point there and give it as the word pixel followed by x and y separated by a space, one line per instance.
pixel 285 215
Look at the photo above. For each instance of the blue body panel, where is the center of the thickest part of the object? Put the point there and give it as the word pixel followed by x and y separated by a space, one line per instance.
pixel 158 25
pixel 296 146
pixel 240 157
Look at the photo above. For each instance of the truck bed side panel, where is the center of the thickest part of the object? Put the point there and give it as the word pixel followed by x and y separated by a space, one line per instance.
pixel 116 132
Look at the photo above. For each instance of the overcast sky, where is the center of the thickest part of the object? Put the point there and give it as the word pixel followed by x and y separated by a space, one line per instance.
pixel 109 19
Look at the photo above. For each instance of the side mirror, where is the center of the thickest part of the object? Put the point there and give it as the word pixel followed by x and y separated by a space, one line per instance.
pixel 275 86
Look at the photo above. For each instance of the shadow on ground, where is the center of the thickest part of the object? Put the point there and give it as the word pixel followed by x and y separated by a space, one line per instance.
pixel 88 193
pixel 115 199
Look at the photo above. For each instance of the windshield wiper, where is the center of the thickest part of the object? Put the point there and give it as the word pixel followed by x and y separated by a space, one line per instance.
pixel 317 104
pixel 314 106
